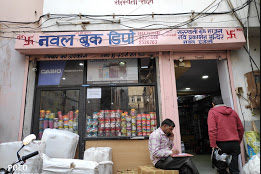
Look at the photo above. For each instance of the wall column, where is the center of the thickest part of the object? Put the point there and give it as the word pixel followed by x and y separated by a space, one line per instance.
pixel 169 93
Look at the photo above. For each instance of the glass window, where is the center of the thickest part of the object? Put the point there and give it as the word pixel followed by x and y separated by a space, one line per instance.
pixel 59 110
pixel 116 112
pixel 106 71
pixel 61 72
pixel 147 70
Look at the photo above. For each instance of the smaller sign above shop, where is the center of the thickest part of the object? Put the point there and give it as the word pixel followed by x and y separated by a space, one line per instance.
pixel 110 71
pixel 93 56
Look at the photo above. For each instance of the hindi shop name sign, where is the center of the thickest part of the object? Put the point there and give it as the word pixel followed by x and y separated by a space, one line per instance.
pixel 130 38
pixel 133 2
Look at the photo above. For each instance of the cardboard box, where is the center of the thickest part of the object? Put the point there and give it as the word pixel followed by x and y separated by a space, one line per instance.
pixel 127 171
pixel 153 170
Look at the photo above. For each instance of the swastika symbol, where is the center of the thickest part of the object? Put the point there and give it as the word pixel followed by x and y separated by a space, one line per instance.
pixel 28 40
pixel 232 34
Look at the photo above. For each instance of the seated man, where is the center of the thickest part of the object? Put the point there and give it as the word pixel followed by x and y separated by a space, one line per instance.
pixel 160 147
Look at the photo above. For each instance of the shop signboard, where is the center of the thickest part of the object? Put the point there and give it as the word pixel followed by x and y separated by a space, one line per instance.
pixel 60 73
pixel 110 71
pixel 132 40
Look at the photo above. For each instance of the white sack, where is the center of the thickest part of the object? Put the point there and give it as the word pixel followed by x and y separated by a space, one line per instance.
pixel 8 155
pixel 253 165
pixel 68 166
pixel 102 155
pixel 98 154
pixel 105 167
pixel 59 143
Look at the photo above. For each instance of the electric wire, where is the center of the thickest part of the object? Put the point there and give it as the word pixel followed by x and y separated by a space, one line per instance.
pixel 120 15
pixel 63 16
pixel 167 30
pixel 248 48
pixel 183 23
pixel 251 58
pixel 234 12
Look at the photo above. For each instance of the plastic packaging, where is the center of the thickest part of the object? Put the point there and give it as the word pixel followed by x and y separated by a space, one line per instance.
pixel 253 142
pixel 102 155
pixel 253 165
pixel 8 151
pixel 98 154
pixel 220 161
pixel 72 166
pixel 60 143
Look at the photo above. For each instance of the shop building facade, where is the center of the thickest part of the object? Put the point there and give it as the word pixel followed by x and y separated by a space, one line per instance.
pixel 114 84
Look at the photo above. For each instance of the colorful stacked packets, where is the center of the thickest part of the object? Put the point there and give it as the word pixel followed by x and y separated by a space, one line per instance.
pixel 51 120
pixel 128 126
pixel 95 123
pixel 41 123
pixel 89 126
pixel 153 121
pixel 139 124
pixel 101 125
pixel 92 125
pixel 144 124
pixel 148 124
pixel 107 119
pixel 123 124
pixel 70 122
pixel 111 123
pixel 75 122
pixel 133 122
pixel 118 122
pixel 67 122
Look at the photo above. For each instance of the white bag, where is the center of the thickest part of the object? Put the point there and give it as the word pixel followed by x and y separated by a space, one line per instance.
pixel 98 154
pixel 253 165
pixel 68 166
pixel 105 167
pixel 102 155
pixel 59 143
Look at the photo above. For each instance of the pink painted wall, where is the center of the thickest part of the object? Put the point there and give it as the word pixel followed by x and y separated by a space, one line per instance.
pixel 21 11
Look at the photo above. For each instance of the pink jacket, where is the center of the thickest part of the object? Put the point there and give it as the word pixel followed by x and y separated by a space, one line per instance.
pixel 224 125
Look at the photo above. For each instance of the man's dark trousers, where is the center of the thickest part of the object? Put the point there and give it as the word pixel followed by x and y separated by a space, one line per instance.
pixel 230 148
pixel 183 164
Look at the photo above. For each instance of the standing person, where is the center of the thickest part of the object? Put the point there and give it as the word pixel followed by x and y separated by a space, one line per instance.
pixel 225 131
pixel 161 149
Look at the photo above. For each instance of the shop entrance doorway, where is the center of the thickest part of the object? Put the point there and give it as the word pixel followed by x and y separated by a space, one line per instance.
pixel 197 82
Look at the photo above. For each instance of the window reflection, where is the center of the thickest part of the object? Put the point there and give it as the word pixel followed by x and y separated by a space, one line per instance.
pixel 59 110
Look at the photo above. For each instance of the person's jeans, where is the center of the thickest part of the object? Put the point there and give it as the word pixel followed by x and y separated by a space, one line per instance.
pixel 183 164
pixel 230 148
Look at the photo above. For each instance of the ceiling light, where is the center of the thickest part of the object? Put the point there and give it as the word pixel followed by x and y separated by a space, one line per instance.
pixel 187 88
pixel 81 64
pixel 64 78
pixel 205 77
pixel 144 67
pixel 122 63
